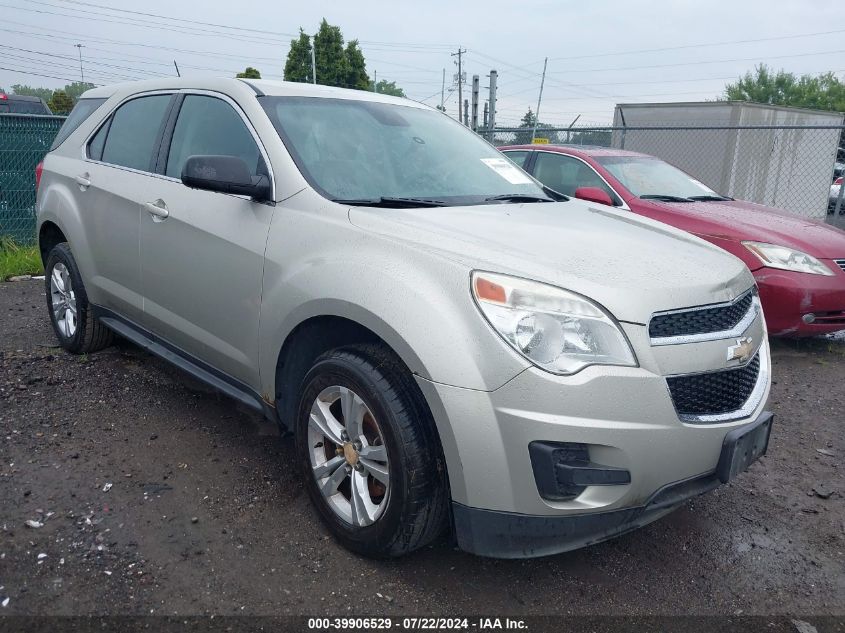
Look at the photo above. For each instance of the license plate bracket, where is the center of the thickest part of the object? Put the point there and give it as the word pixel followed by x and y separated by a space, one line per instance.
pixel 744 446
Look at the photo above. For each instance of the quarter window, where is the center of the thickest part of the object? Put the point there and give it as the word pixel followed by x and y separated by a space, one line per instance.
pixel 81 111
pixel 210 126
pixel 565 174
pixel 96 144
pixel 133 132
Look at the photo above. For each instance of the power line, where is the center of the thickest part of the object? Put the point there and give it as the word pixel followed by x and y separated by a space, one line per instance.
pixel 27 72
pixel 138 44
pixel 69 58
pixel 696 63
pixel 701 45
pixel 444 47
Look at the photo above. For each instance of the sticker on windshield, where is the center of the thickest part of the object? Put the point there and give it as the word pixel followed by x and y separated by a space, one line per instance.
pixel 507 170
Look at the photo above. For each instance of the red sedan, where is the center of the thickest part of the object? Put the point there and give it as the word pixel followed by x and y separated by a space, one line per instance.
pixel 799 263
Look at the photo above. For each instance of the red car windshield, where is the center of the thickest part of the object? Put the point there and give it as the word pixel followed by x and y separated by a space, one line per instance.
pixel 647 177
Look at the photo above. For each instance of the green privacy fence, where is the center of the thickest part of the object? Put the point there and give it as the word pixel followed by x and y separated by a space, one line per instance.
pixel 24 139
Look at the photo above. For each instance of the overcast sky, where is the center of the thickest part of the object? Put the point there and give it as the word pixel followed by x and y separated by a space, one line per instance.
pixel 600 53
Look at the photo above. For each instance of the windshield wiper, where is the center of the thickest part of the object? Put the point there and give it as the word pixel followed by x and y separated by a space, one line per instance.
pixel 392 203
pixel 710 198
pixel 665 198
pixel 518 197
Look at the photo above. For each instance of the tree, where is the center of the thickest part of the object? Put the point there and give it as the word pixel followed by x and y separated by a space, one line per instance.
pixel 528 119
pixel 356 67
pixel 29 91
pixel 527 122
pixel 74 90
pixel 336 65
pixel 819 92
pixel 298 63
pixel 249 73
pixel 385 87
pixel 332 65
pixel 61 103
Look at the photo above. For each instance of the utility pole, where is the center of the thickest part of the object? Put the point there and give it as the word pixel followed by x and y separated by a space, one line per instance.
pixel 486 105
pixel 459 55
pixel 539 99
pixel 492 120
pixel 474 118
pixel 466 112
pixel 313 66
pixel 375 81
pixel 81 73
pixel 443 92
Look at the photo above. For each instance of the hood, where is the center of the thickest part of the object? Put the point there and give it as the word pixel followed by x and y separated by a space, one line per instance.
pixel 631 265
pixel 737 220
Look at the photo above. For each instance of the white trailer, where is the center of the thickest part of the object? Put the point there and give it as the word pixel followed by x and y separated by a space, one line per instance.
pixel 786 164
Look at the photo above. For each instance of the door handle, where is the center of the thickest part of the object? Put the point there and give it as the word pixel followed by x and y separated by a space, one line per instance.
pixel 157 209
pixel 83 181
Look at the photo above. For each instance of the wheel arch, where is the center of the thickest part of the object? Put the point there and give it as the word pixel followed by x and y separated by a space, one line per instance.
pixel 317 334
pixel 49 236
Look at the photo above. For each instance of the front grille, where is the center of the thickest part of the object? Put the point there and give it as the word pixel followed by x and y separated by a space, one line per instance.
pixel 716 392
pixel 840 263
pixel 704 320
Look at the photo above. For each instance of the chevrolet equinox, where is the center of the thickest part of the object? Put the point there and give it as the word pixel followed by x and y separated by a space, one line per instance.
pixel 453 346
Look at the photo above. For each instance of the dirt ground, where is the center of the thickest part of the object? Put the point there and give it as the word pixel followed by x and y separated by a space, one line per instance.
pixel 159 496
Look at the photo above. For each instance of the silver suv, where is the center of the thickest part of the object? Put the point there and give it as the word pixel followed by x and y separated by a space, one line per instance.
pixel 451 347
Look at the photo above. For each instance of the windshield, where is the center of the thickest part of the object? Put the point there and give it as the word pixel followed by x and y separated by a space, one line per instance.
pixel 648 177
pixel 364 151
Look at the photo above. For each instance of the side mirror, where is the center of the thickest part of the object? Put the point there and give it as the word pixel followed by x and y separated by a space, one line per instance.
pixel 594 194
pixel 225 174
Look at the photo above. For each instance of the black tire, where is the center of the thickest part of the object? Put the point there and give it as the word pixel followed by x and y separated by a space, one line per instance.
pixel 90 335
pixel 417 504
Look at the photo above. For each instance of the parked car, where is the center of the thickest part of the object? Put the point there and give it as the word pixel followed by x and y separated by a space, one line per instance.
pixel 833 197
pixel 450 347
pixel 799 264
pixel 21 104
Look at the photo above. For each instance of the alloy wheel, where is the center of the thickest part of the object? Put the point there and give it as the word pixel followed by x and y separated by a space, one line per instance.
pixel 63 300
pixel 348 456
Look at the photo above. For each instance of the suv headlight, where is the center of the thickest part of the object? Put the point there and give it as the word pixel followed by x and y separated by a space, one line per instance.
pixel 557 330
pixel 786 258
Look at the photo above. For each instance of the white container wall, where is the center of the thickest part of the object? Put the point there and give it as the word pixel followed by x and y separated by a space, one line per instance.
pixel 787 168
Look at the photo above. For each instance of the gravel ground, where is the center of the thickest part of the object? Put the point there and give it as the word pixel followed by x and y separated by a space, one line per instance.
pixel 159 496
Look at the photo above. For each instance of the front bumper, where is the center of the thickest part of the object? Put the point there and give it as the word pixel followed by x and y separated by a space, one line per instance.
pixel 623 417
pixel 788 297
pixel 511 535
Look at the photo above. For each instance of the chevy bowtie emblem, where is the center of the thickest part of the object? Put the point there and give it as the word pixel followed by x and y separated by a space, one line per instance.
pixel 742 350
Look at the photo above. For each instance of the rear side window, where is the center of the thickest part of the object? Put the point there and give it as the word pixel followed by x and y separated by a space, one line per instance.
pixel 565 174
pixel 133 132
pixel 210 126
pixel 21 106
pixel 81 111
pixel 4 107
pixel 517 157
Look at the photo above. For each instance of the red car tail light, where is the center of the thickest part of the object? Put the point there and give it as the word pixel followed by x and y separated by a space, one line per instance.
pixel 39 168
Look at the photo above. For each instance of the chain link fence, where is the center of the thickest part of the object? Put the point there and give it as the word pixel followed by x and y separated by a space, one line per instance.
pixel 24 139
pixel 791 167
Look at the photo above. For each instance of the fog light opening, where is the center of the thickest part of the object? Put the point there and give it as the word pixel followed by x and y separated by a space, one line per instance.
pixel 808 318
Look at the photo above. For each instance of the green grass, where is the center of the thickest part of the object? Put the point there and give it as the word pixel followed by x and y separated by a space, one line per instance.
pixel 18 260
